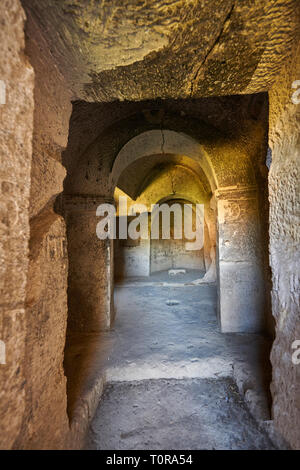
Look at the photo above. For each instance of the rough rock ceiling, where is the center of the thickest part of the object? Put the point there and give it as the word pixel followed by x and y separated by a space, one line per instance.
pixel 145 49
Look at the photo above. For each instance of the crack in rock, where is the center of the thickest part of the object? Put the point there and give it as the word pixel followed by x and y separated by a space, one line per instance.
pixel 194 79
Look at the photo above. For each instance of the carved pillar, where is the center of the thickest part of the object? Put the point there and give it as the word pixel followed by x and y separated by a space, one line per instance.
pixel 90 281
pixel 240 273
pixel 210 242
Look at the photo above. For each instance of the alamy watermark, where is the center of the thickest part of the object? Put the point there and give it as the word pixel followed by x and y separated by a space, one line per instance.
pixel 296 353
pixel 296 344
pixel 188 222
pixel 296 95
pixel 2 92
pixel 2 352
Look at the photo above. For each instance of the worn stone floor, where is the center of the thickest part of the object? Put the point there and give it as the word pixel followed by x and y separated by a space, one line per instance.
pixel 173 380
pixel 175 414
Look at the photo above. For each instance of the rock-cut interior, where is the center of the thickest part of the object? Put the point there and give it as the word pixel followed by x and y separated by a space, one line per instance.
pixel 123 343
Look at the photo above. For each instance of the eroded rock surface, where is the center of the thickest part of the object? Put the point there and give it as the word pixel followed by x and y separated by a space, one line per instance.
pixel 144 50
pixel 16 127
pixel 131 73
pixel 284 182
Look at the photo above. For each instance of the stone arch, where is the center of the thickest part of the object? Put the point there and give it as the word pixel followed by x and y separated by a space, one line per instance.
pixel 228 169
pixel 238 257
pixel 162 142
pixel 225 160
pixel 172 180
pixel 172 253
pixel 212 158
pixel 209 226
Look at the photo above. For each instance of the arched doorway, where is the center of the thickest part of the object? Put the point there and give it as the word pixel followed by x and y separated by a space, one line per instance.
pixel 230 199
pixel 172 252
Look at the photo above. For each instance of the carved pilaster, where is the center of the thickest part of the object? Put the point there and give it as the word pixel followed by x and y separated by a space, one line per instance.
pixel 90 265
pixel 241 289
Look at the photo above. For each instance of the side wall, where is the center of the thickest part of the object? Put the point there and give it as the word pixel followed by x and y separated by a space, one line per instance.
pixel 16 124
pixel 46 297
pixel 284 184
pixel 131 260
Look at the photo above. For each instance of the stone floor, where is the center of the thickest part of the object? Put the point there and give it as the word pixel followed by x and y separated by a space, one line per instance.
pixel 172 379
pixel 175 414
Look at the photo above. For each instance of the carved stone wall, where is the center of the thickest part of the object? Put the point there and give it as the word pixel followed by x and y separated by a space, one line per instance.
pixel 241 284
pixel 73 61
pixel 46 296
pixel 90 282
pixel 284 183
pixel 16 126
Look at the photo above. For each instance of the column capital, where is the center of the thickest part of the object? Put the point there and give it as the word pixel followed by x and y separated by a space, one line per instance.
pixel 85 202
pixel 236 192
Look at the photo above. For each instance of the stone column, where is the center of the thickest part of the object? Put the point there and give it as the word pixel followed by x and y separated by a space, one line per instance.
pixel 90 281
pixel 240 274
